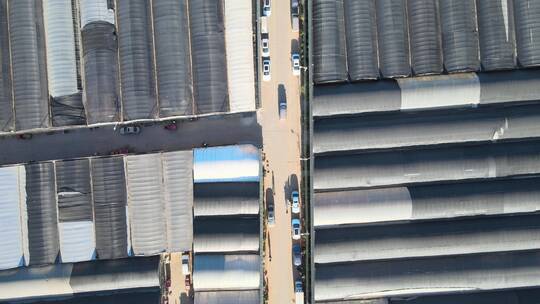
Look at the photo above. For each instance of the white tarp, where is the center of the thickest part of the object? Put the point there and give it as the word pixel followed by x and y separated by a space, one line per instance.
pixel 95 10
pixel 77 242
pixel 239 49
pixel 59 34
pixel 178 188
pixel 11 243
pixel 226 164
pixel 145 201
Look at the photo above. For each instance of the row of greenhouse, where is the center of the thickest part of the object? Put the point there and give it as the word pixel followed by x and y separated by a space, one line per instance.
pixel 370 39
pixel 78 62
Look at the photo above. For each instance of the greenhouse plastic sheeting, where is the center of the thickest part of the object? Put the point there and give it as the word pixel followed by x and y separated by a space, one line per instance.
pixel 425 35
pixel 426 202
pixel 68 110
pixel 226 198
pixel 228 297
pixel 427 239
pixel 11 239
pixel 101 72
pixel 6 98
pixel 60 37
pixel 226 234
pixel 459 35
pixel 77 241
pixel 208 56
pixel 226 164
pixel 361 29
pixel 428 276
pixel 223 271
pixel 28 64
pixel 496 29
pixel 74 190
pixel 136 59
pixel 146 204
pixel 422 166
pixel 173 64
pixel 42 218
pixel 94 11
pixel 527 21
pixel 178 188
pixel 329 49
pixel 109 186
pixel 239 50
pixel 393 38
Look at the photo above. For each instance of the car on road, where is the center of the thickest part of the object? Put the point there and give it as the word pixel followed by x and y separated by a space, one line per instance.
pixel 185 264
pixel 282 109
pixel 265 47
pixel 296 229
pixel 297 255
pixel 295 58
pixel 295 198
pixel 298 286
pixel 266 8
pixel 271 215
pixel 127 130
pixel 266 70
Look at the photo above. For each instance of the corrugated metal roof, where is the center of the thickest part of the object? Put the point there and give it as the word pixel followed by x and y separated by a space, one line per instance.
pixel 226 198
pixel 428 276
pixel 178 187
pixel 227 297
pixel 42 217
pixel 208 56
pixel 11 242
pixel 238 163
pixel 239 50
pixel 226 272
pixel 109 186
pixel 146 204
pixel 226 234
pixel 519 296
pixel 426 239
pixel 393 36
pixel 28 64
pixel 487 197
pixel 135 55
pixel 527 22
pixel 173 61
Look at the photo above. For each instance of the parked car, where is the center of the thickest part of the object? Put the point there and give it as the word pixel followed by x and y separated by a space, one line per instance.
pixel 298 286
pixel 282 102
pixel 294 8
pixel 127 130
pixel 185 264
pixel 264 25
pixel 282 109
pixel 266 70
pixel 295 202
pixel 297 255
pixel 271 215
pixel 295 64
pixel 296 229
pixel 265 47
pixel 266 8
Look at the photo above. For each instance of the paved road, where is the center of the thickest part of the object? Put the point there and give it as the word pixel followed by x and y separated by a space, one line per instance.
pixel 282 149
pixel 215 130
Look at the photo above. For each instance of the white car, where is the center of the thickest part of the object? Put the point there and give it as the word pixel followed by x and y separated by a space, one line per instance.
pixel 295 64
pixel 266 8
pixel 295 229
pixel 265 47
pixel 266 70
pixel 295 202
pixel 185 264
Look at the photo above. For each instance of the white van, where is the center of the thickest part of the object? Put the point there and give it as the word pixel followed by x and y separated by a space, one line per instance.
pixel 264 25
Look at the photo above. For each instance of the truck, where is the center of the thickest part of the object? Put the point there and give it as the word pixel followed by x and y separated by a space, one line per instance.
pixel 299 292
pixel 294 15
